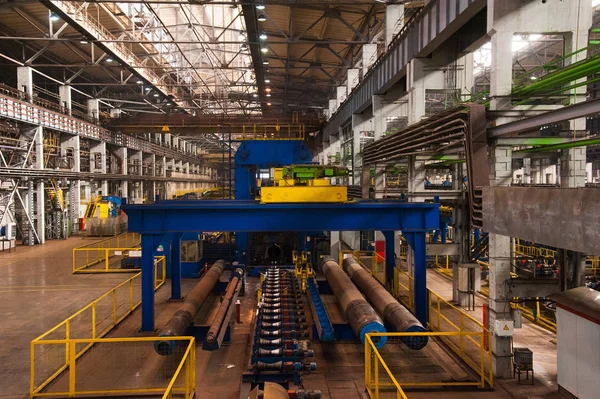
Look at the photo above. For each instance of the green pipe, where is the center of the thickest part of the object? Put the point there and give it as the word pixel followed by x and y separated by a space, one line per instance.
pixel 562 146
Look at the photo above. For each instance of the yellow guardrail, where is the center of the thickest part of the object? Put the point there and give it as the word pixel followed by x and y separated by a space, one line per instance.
pixel 129 366
pixel 533 251
pixel 445 317
pixel 537 316
pixel 370 260
pixel 101 254
pixel 381 382
pixel 90 324
pixel 593 265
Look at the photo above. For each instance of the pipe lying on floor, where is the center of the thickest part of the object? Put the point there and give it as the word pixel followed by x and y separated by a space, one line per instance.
pixel 217 329
pixel 361 316
pixel 397 317
pixel 182 319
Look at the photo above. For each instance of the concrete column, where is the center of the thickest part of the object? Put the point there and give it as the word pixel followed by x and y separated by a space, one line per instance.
pixel 163 171
pixel 353 76
pixel 99 147
pixel 25 81
pixel 334 244
pixel 122 155
pixel 379 121
pixel 64 92
pixel 341 94
pixel 40 190
pixel 369 56
pixel 93 108
pixel 394 21
pixel 573 167
pixel 500 259
pixel 332 107
pixel 115 112
pixel 74 142
pixel 416 178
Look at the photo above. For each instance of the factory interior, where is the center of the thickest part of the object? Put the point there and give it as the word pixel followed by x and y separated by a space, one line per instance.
pixel 300 199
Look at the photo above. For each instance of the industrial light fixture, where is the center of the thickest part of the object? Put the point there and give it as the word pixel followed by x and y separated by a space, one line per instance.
pixel 255 95
pixel 268 90
pixel 265 62
pixel 262 17
pixel 260 6
pixel 140 82
pixel 263 36
pixel 264 49
pixel 148 88
pixel 267 80
pixel 269 104
pixel 109 59
pixel 54 17
pixel 83 41
pixel 241 36
pixel 268 94
pixel 244 47
pixel 155 94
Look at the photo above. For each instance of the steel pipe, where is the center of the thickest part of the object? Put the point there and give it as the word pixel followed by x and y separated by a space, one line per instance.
pixel 361 316
pixel 221 321
pixel 182 319
pixel 396 316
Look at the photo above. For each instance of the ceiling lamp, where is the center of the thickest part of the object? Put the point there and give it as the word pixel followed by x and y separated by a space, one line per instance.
pixel 54 17
pixel 241 36
pixel 268 90
pixel 264 49
pixel 267 80
pixel 263 36
pixel 268 94
pixel 140 82
pixel 255 95
pixel 260 6
pixel 155 94
pixel 261 17
pixel 269 104
pixel 243 47
pixel 265 62
pixel 109 59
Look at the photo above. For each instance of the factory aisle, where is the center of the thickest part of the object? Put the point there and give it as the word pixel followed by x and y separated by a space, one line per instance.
pixel 37 291
pixel 541 342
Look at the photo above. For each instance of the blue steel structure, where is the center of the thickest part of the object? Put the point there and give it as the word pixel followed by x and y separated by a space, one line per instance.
pixel 250 158
pixel 155 221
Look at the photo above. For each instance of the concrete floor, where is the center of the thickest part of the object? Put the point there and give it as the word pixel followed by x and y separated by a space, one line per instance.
pixel 37 290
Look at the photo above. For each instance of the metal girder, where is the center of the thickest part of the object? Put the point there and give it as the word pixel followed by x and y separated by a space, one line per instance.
pixel 252 31
pixel 525 288
pixel 239 216
pixel 560 217
pixel 430 27
pixel 580 110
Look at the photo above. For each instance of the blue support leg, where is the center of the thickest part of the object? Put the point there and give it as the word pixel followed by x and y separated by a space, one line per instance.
pixel 149 244
pixel 417 243
pixel 390 258
pixel 241 247
pixel 176 267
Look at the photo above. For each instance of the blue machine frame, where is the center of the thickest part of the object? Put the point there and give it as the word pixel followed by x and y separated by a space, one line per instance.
pixel 158 222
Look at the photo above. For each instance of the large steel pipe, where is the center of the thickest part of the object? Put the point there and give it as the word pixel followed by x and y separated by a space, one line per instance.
pixel 397 317
pixel 361 316
pixel 182 319
pixel 215 333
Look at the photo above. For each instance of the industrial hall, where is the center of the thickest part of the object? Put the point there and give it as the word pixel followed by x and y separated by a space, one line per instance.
pixel 299 199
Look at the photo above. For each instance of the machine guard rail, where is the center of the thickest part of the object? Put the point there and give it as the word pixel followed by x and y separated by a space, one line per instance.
pixel 90 323
pixel 86 256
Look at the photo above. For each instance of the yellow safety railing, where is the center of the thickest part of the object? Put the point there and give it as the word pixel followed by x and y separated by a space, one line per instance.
pixel 128 366
pixel 592 265
pixel 533 251
pixel 537 316
pixel 370 260
pixel 92 322
pixel 379 380
pixel 105 254
pixel 445 317
pixel 273 132
pixel 466 336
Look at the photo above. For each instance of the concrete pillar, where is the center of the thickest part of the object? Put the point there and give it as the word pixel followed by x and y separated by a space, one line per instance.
pixel 332 107
pixel 40 189
pixel 500 259
pixel 369 56
pixel 416 178
pixel 25 81
pixel 93 108
pixel 123 155
pixel 416 88
pixel 74 142
pixel 379 120
pixel 573 167
pixel 334 244
pixel 353 76
pixel 64 92
pixel 394 21
pixel 115 112
pixel 341 94
pixel 99 147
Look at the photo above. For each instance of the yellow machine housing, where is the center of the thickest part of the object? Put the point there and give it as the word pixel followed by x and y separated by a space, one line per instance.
pixel 286 190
